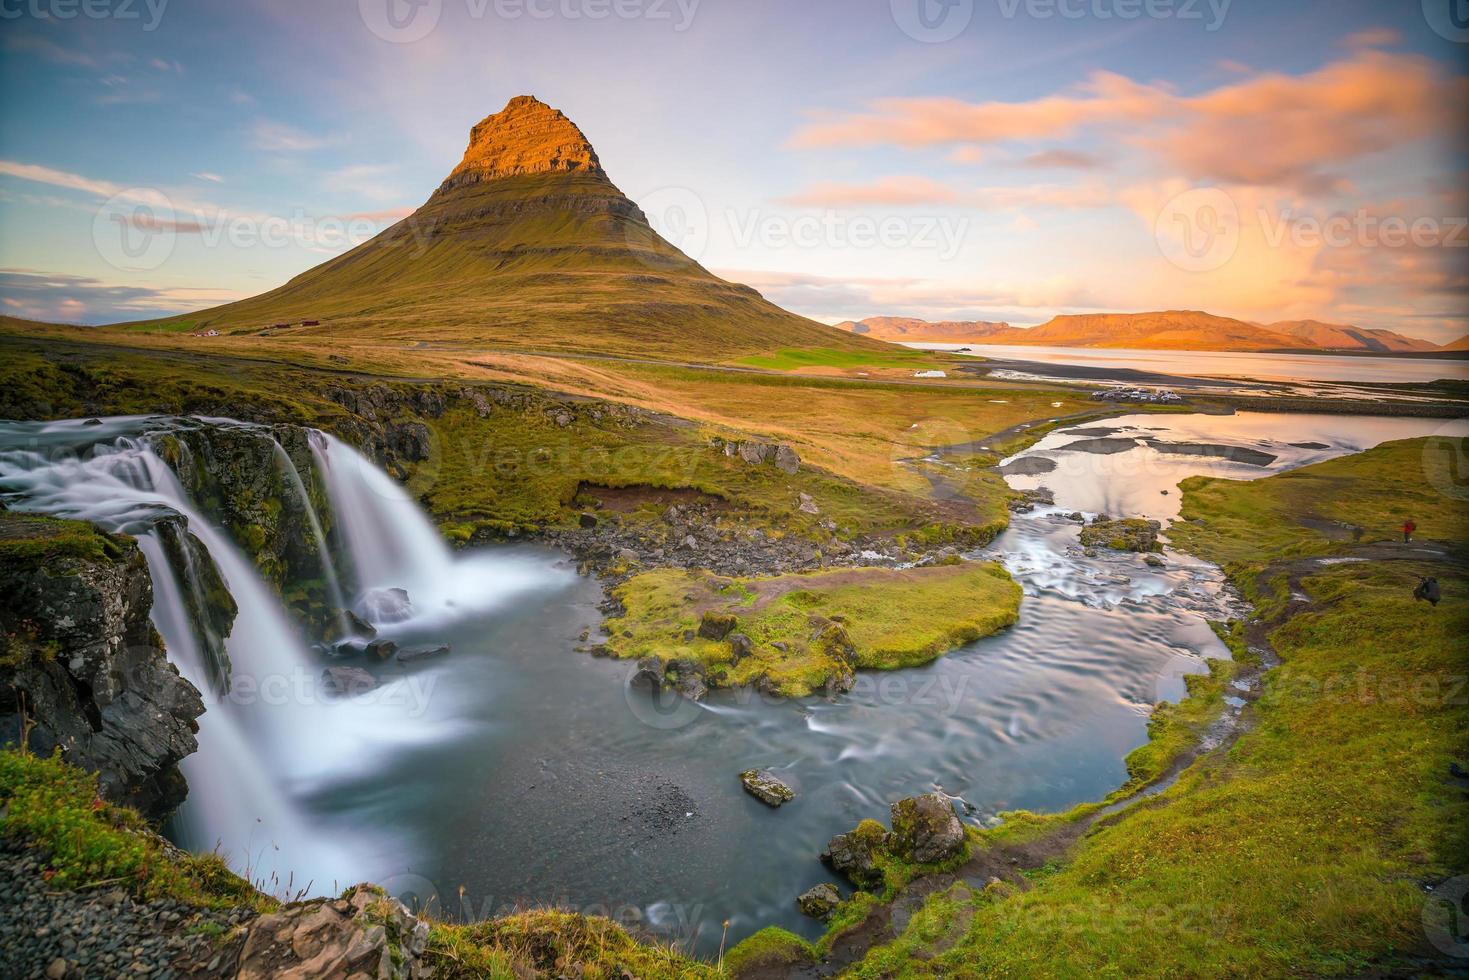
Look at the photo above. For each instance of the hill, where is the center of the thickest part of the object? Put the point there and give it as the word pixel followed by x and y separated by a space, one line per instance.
pixel 1169 330
pixel 1333 336
pixel 1461 344
pixel 1166 330
pixel 899 329
pixel 527 244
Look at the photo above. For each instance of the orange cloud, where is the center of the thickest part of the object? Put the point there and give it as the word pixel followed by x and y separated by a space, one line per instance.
pixel 914 191
pixel 1267 129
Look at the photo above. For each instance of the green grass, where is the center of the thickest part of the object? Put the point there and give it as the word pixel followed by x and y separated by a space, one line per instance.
pixel 90 843
pixel 891 618
pixel 768 949
pixel 794 359
pixel 1304 849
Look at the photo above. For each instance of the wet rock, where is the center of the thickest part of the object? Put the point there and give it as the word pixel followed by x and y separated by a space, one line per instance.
pixel 925 829
pixel 1028 466
pixel 347 681
pixel 1153 561
pixel 387 606
pixel 766 787
pixel 688 678
pixel 819 902
pixel 82 669
pixel 855 854
pixel 415 655
pixel 348 625
pixel 1128 534
pixel 716 625
pixel 381 649
pixel 650 674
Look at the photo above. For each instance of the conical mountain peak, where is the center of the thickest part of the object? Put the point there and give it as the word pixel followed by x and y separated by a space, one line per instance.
pixel 526 137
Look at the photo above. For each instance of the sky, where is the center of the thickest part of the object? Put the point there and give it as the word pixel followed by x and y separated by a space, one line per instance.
pixel 946 159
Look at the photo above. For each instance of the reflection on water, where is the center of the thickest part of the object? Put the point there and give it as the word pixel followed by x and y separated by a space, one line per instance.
pixel 1142 480
pixel 1227 364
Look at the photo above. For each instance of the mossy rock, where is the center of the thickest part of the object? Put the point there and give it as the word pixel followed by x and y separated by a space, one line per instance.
pixel 767 949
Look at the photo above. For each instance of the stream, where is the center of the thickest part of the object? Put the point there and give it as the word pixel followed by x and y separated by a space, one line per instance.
pixel 517 772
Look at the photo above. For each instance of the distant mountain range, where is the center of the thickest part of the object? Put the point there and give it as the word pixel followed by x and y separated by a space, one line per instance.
pixel 1166 330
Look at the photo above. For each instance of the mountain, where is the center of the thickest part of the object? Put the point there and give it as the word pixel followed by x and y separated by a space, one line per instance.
pixel 1169 330
pixel 1332 336
pixel 900 329
pixel 527 244
pixel 1461 344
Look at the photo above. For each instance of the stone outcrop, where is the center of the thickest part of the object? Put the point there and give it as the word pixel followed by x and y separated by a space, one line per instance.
pixel 360 935
pixel 820 901
pixel 83 670
pixel 756 453
pixel 526 137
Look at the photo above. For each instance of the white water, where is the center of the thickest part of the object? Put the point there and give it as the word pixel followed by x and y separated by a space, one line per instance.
pixel 275 737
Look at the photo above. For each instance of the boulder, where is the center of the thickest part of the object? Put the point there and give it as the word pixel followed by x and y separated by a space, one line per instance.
pixel 347 681
pixel 381 649
pixel 807 505
pixel 717 625
pixel 819 902
pixel 347 625
pixel 649 675
pixel 855 854
pixel 926 830
pixel 766 787
pixel 786 459
pixel 587 520
pixel 415 654
pixel 1128 534
pixel 688 678
pixel 740 647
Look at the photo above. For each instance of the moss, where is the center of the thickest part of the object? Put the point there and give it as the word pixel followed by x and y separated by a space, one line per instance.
pixel 827 622
pixel 54 806
pixel 768 949
pixel 27 538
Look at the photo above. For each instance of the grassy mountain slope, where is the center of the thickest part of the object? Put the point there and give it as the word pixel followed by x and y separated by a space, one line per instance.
pixel 527 245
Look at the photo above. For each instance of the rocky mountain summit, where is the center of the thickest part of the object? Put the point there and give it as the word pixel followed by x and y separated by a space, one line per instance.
pixel 526 137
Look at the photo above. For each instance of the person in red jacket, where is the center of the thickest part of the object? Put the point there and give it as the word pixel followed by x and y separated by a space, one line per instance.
pixel 1408 528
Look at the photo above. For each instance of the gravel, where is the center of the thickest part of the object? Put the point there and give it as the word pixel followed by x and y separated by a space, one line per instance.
pixel 103 932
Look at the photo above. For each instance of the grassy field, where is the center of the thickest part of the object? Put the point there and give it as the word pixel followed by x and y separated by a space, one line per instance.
pixel 1305 848
pixel 806 628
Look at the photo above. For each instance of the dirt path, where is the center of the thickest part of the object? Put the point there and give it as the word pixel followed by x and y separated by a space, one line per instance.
pixel 1007 862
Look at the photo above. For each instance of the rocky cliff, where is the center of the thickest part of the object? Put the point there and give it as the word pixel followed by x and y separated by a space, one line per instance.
pixel 81 667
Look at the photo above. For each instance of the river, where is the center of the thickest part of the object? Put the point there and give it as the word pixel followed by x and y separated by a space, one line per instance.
pixel 516 771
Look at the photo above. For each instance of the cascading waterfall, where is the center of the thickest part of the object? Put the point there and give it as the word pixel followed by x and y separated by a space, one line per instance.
pixel 271 737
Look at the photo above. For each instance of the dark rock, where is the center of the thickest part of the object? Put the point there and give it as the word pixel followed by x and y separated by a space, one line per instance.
pixel 740 647
pixel 411 441
pixel 688 678
pixel 587 520
pixel 717 625
pixel 819 902
pixel 417 654
pixel 83 670
pixel 855 854
pixel 381 649
pixel 347 681
pixel 348 625
pixel 925 829
pixel 650 674
pixel 766 787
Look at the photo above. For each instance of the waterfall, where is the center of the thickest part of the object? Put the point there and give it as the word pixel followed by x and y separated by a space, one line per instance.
pixel 273 742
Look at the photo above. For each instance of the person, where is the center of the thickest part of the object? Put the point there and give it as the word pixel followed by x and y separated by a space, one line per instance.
pixel 1408 528
pixel 1428 591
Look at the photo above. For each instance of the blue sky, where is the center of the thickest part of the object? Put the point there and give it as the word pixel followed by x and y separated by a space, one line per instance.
pixel 1043 159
